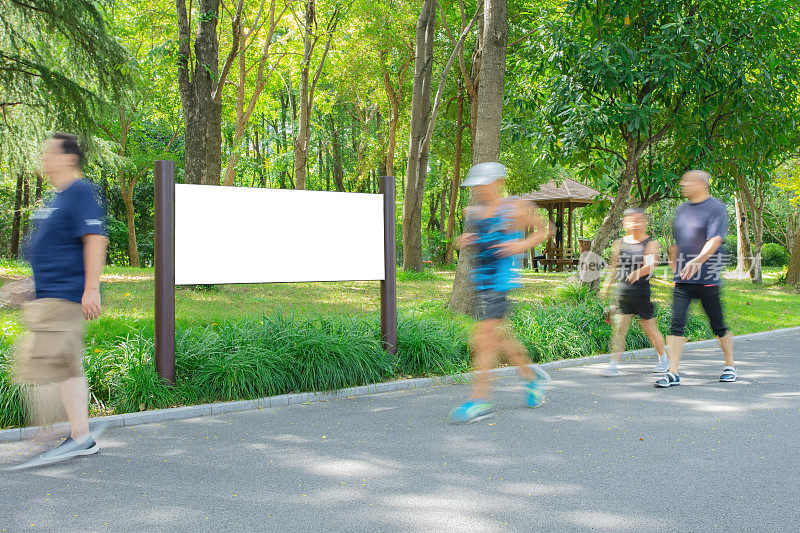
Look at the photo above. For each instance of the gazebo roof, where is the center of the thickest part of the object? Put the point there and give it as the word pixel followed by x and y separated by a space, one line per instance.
pixel 569 192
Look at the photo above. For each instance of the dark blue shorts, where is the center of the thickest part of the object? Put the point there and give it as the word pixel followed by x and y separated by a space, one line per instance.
pixel 491 304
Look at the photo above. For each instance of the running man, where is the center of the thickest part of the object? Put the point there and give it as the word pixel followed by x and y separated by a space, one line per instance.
pixel 697 260
pixel 634 257
pixel 496 226
pixel 67 252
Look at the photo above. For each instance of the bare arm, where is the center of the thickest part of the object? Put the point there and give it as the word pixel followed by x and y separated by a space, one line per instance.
pixel 527 219
pixel 539 226
pixel 711 246
pixel 467 238
pixel 94 257
pixel 692 267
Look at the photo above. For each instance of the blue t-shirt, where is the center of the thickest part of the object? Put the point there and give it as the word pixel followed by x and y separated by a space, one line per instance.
pixel 55 249
pixel 694 225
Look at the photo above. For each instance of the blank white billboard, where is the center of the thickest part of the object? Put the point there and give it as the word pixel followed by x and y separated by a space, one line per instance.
pixel 247 235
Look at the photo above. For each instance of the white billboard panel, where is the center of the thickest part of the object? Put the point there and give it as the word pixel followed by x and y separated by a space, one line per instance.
pixel 247 235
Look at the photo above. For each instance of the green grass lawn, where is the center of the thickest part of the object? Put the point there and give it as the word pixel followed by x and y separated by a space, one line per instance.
pixel 128 298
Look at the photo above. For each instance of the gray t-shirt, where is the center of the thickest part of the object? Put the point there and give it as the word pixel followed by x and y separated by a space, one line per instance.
pixel 694 225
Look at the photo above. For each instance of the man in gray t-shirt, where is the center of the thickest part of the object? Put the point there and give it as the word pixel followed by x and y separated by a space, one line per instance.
pixel 697 260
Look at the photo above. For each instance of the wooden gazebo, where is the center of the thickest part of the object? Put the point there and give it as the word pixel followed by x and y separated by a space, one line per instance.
pixel 558 198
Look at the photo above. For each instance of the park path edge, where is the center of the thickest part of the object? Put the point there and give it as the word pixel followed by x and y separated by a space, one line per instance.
pixel 194 411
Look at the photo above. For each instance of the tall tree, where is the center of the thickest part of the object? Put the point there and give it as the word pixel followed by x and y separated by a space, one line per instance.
pixel 308 84
pixel 37 35
pixel 266 62
pixel 456 178
pixel 420 117
pixel 201 83
pixel 489 121
pixel 423 122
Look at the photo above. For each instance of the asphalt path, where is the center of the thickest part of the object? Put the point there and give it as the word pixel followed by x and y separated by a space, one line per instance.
pixel 603 454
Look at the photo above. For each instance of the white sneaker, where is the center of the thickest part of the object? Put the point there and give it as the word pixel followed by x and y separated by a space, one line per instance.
pixel 610 371
pixel 662 366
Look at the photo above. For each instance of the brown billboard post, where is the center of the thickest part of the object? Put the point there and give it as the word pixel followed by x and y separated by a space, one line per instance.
pixel 165 269
pixel 389 283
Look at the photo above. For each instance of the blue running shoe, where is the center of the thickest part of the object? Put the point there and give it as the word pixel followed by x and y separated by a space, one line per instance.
pixel 471 411
pixel 535 388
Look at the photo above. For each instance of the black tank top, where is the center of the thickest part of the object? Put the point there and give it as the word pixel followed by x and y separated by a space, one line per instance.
pixel 631 258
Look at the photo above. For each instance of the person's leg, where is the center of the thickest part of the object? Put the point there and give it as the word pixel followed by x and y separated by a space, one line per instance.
pixel 485 344
pixel 516 354
pixel 726 343
pixel 681 298
pixel 712 306
pixel 75 397
pixel 650 329
pixel 621 325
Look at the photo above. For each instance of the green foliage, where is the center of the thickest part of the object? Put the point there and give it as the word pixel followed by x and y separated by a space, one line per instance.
pixel 12 412
pixel 277 354
pixel 37 37
pixel 774 255
pixel 428 347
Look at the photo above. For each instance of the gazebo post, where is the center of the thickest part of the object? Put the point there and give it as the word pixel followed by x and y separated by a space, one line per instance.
pixel 569 231
pixel 560 235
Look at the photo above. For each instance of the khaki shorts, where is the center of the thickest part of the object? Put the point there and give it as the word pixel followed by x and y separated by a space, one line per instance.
pixel 52 350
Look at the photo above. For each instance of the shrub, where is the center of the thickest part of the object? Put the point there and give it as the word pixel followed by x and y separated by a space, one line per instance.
pixel 281 353
pixel 774 255
pixel 12 412
pixel 429 347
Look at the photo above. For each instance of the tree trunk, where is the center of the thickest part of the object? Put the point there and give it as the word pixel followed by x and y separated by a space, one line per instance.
pixel 456 180
pixel 756 208
pixel 26 200
pixel 793 271
pixel 417 156
pixel 39 184
pixel 17 222
pixel 199 91
pixel 609 228
pixel 744 253
pixel 307 87
pixel 130 216
pixel 304 131
pixel 756 274
pixel 486 146
pixel 338 170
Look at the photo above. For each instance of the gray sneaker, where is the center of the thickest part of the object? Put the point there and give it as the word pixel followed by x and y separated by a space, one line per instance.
pixel 662 367
pixel 728 374
pixel 69 449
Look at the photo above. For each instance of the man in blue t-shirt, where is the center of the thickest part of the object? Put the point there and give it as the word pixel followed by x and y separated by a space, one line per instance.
pixel 66 250
pixel 697 260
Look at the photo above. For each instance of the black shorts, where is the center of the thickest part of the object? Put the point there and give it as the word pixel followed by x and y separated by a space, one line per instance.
pixel 709 298
pixel 491 304
pixel 636 301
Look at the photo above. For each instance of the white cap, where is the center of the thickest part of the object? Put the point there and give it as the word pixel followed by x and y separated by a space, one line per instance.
pixel 484 174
